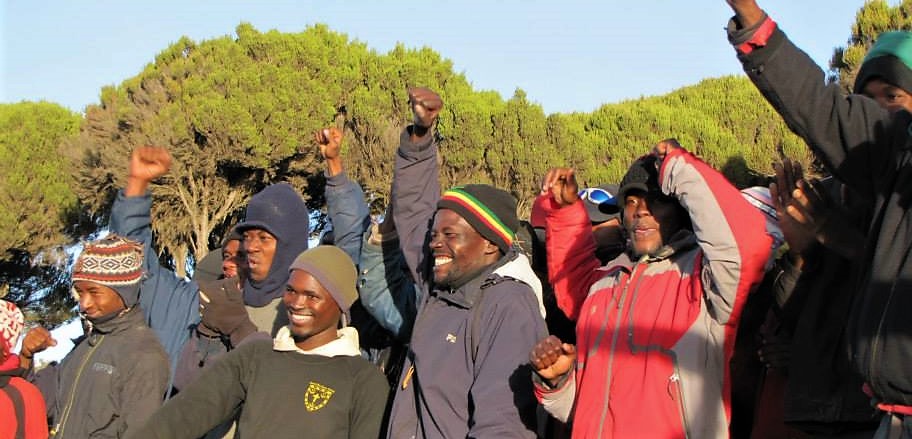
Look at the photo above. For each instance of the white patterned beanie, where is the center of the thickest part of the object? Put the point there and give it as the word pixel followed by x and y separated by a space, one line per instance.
pixel 11 324
pixel 114 262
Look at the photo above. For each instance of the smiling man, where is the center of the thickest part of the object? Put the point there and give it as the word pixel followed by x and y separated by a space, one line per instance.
pixel 655 326
pixel 310 381
pixel 466 372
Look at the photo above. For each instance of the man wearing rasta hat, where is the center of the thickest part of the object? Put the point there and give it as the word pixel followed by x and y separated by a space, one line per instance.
pixel 118 374
pixel 866 147
pixel 655 327
pixel 309 381
pixel 466 371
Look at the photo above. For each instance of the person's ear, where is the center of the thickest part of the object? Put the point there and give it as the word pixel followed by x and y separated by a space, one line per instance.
pixel 490 248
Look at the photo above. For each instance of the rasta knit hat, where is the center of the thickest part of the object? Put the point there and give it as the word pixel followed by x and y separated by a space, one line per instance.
pixel 889 59
pixel 334 269
pixel 490 211
pixel 11 324
pixel 642 175
pixel 114 262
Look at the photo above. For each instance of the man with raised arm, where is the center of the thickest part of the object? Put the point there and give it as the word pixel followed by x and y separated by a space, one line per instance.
pixel 466 372
pixel 656 326
pixel 865 145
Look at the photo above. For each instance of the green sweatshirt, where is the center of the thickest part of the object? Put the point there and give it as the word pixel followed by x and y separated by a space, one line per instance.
pixel 280 391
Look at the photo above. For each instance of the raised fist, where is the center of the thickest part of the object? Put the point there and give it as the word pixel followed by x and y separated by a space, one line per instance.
pixel 149 162
pixel 330 142
pixel 425 105
pixel 36 340
pixel 561 184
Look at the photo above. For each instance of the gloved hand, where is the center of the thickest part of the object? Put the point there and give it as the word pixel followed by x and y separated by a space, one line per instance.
pixel 223 311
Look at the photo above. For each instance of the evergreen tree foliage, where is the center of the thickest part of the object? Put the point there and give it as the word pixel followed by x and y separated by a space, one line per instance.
pixel 38 207
pixel 238 113
pixel 872 19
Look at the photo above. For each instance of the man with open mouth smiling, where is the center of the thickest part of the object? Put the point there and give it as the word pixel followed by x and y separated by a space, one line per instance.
pixel 309 381
pixel 466 372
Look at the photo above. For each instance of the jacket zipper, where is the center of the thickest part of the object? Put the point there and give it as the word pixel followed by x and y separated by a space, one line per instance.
pixel 58 429
pixel 676 379
pixel 876 341
pixel 614 338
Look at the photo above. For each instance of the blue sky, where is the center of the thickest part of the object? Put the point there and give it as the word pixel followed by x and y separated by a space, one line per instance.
pixel 567 55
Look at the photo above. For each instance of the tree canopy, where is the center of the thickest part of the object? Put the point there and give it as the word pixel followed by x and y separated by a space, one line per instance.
pixel 238 113
pixel 40 210
pixel 872 19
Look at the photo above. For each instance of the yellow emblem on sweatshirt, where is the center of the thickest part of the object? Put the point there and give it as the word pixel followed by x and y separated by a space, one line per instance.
pixel 317 396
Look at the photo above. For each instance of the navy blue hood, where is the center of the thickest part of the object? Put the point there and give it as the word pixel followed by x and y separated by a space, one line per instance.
pixel 281 211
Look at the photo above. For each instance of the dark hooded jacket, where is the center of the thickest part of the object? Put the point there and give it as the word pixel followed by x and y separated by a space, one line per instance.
pixel 467 372
pixel 279 210
pixel 870 150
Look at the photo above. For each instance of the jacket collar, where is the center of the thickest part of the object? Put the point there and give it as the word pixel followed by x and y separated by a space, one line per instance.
pixel 130 318
pixel 682 240
pixel 466 295
pixel 345 345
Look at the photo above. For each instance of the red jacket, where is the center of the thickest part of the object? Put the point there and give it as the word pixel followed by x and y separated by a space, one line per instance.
pixel 654 336
pixel 22 407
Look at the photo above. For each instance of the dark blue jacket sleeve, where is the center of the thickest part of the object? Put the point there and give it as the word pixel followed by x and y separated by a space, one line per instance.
pixel 415 192
pixel 348 212
pixel 385 288
pixel 171 304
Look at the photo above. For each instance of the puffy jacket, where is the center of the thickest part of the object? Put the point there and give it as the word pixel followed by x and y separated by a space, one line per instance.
pixel 171 304
pixel 655 335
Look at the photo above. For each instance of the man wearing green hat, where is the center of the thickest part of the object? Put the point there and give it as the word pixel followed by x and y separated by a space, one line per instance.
pixel 310 381
pixel 867 147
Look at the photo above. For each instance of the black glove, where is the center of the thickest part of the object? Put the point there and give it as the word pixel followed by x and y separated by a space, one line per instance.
pixel 223 311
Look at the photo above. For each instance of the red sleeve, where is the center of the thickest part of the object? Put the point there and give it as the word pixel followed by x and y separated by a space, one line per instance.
pixel 572 264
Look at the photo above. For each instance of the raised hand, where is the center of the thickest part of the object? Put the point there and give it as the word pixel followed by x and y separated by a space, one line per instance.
pixel 222 312
pixel 330 142
pixel 561 184
pixel 146 164
pixel 552 359
pixel 747 12
pixel 425 106
pixel 798 231
pixel 149 162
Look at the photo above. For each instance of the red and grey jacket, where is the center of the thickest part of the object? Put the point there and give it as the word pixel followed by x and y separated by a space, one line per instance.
pixel 654 336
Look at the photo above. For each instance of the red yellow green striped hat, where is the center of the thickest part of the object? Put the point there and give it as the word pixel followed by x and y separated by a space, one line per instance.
pixel 491 211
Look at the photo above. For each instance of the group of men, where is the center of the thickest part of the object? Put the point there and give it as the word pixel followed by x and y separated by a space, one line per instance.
pixel 617 314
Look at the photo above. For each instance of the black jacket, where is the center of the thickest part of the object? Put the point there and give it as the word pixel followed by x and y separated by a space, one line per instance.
pixel 113 380
pixel 868 149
